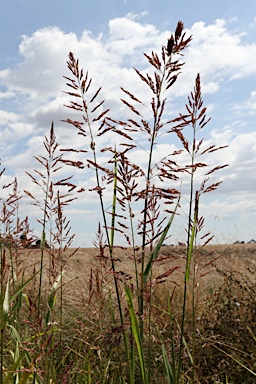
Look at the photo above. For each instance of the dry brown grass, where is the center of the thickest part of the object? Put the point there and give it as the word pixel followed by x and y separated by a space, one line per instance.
pixel 225 276
pixel 212 261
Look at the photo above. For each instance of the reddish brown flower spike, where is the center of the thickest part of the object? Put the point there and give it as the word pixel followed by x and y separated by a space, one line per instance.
pixel 178 31
pixel 170 45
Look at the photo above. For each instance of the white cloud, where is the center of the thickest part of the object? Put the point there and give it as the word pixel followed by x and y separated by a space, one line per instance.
pixel 13 128
pixel 39 73
pixel 6 95
pixel 8 117
pixel 218 54
pixel 248 106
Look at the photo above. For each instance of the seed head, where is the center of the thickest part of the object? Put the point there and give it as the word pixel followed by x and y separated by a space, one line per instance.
pixel 170 44
pixel 178 31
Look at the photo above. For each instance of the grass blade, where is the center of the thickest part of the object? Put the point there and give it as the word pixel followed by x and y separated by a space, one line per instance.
pixel 21 288
pixel 135 332
pixel 167 366
pixel 157 249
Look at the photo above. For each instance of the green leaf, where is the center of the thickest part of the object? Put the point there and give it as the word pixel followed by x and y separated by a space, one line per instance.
pixel 135 332
pixel 6 300
pixel 168 369
pixel 157 249
pixel 16 293
pixel 190 249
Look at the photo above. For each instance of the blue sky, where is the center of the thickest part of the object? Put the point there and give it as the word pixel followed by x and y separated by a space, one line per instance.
pixel 109 38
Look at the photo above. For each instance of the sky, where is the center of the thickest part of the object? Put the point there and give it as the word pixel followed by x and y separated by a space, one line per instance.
pixel 109 38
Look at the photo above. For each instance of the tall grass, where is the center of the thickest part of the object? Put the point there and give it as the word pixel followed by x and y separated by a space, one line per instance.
pixel 148 187
pixel 115 330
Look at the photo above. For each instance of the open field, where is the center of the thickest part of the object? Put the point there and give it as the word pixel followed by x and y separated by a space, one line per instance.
pixel 211 261
pixel 224 308
pixel 216 267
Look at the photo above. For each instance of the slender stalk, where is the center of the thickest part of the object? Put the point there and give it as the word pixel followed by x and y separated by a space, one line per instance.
pixel 61 273
pixel 2 250
pixel 189 250
pixel 43 235
pixel 144 230
pixel 111 245
pixel 193 313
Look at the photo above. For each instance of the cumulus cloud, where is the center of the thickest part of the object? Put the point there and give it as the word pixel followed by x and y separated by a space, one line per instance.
pixel 38 75
pixel 246 107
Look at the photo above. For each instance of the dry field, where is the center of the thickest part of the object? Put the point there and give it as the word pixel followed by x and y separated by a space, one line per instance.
pixel 223 289
pixel 213 263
